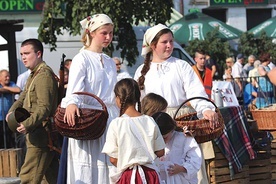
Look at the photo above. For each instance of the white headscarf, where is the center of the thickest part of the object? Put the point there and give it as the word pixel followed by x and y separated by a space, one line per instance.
pixel 149 36
pixel 91 23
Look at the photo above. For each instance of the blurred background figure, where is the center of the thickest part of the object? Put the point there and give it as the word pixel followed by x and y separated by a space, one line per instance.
pixel 21 81
pixel 205 72
pixel 250 64
pixel 7 91
pixel 211 64
pixel 229 62
pixel 250 94
pixel 239 75
pixel 265 89
pixel 228 77
pixel 254 74
pixel 121 74
pixel 67 63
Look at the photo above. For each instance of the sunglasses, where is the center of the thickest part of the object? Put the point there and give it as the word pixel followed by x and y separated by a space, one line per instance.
pixel 118 64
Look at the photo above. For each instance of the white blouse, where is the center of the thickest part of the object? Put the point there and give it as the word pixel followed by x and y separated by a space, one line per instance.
pixel 123 143
pixel 176 81
pixel 91 72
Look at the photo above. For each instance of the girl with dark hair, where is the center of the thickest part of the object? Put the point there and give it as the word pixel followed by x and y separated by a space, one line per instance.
pixel 133 140
pixel 182 159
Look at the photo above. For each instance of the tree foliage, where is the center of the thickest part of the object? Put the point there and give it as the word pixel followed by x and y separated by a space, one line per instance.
pixel 64 15
pixel 217 48
pixel 249 45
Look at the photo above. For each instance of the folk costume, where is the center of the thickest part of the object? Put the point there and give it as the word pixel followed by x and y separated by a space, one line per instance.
pixel 176 81
pixel 184 151
pixel 94 73
pixel 169 79
pixel 133 141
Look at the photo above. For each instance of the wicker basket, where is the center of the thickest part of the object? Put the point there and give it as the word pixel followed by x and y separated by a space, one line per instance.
pixel 89 126
pixel 265 118
pixel 200 128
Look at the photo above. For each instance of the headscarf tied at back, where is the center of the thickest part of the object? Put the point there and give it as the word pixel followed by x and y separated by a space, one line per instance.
pixel 91 23
pixel 149 36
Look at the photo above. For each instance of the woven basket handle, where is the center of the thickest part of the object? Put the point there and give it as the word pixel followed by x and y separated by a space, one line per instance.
pixel 94 96
pixel 199 97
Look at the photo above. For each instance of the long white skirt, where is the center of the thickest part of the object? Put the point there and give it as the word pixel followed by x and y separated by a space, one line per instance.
pixel 85 163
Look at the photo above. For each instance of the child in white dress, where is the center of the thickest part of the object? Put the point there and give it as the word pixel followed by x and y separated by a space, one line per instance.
pixel 182 159
pixel 133 140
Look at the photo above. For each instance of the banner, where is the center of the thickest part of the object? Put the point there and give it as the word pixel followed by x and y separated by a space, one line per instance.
pixel 21 5
pixel 226 88
pixel 227 3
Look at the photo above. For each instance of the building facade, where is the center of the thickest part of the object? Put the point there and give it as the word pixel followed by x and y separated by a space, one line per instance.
pixel 242 14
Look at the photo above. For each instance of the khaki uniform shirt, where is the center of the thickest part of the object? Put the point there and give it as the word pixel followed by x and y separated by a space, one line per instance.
pixel 40 99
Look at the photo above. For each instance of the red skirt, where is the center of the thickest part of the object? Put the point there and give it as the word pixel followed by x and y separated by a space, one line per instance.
pixel 150 174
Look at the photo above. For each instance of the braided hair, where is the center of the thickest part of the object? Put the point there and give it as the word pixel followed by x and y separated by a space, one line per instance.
pixel 127 90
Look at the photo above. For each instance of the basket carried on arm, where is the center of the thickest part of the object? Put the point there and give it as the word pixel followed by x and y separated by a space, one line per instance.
pixel 200 128
pixel 90 125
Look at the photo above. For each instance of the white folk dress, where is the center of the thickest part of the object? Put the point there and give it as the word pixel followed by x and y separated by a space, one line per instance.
pixel 123 143
pixel 86 163
pixel 176 81
pixel 184 151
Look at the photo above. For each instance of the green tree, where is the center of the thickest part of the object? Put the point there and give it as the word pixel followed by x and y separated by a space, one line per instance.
pixel 217 48
pixel 250 45
pixel 60 15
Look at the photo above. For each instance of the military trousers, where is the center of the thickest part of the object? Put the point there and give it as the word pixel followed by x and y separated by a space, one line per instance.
pixel 39 162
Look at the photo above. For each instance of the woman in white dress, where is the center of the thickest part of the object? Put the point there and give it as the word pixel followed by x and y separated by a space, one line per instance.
pixel 172 78
pixel 182 159
pixel 94 72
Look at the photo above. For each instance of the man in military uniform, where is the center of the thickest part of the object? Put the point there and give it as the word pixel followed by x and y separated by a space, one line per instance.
pixel 40 99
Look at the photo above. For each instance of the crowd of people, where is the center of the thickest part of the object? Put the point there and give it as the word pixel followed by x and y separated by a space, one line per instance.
pixel 250 80
pixel 141 143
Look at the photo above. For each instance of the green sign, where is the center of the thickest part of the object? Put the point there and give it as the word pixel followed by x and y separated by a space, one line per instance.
pixel 238 2
pixel 21 5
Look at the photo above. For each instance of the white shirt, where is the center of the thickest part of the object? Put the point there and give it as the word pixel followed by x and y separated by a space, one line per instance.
pixel 88 74
pixel 237 70
pixel 176 81
pixel 123 143
pixel 184 151
pixel 122 75
pixel 21 81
